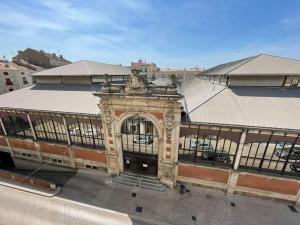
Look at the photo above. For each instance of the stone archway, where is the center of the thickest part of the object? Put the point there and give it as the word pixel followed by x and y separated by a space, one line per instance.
pixel 158 104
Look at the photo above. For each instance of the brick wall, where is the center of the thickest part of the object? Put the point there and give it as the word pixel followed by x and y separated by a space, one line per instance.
pixel 265 183
pixel 24 144
pixel 54 149
pixel 3 141
pixel 88 154
pixel 31 181
pixel 203 173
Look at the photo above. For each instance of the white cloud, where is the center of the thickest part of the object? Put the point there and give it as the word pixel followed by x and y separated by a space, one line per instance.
pixel 15 18
pixel 76 13
pixel 292 21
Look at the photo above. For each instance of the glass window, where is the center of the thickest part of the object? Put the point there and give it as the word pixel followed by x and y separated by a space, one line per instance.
pixel 17 125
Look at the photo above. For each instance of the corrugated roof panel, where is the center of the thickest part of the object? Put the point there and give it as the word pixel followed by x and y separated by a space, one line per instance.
pixel 257 65
pixel 252 106
pixel 54 97
pixel 268 64
pixel 85 68
pixel 197 91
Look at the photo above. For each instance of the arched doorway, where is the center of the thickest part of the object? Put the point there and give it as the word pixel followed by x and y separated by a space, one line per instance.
pixel 140 145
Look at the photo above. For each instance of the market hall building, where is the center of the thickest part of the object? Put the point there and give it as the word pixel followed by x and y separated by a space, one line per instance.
pixel 235 127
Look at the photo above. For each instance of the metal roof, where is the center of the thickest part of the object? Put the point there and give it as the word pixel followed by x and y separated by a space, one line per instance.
pixel 85 68
pixel 198 91
pixel 66 98
pixel 248 106
pixel 257 65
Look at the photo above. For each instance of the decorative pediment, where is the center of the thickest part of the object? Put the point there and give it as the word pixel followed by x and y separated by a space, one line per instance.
pixel 137 84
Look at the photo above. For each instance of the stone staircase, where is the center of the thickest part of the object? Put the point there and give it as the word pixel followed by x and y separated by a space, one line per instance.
pixel 142 181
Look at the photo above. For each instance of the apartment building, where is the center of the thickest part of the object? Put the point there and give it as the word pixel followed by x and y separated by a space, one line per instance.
pixel 14 77
pixel 182 75
pixel 39 58
pixel 147 70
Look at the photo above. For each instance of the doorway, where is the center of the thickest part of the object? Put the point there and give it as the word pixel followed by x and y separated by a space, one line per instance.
pixel 144 164
pixel 140 146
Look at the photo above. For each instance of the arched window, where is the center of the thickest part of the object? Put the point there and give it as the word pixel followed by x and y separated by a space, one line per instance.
pixel 139 135
pixel 17 125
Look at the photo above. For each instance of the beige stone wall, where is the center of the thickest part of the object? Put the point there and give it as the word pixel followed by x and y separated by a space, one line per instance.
pixel 158 111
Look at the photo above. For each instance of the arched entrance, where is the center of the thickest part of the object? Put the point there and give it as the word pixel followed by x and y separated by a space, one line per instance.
pixel 140 145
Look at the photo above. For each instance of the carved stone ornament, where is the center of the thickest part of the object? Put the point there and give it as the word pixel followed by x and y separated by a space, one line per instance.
pixel 108 119
pixel 169 124
pixel 137 84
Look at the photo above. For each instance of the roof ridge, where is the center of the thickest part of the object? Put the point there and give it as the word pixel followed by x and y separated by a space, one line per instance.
pixel 251 58
pixel 91 61
pixel 277 56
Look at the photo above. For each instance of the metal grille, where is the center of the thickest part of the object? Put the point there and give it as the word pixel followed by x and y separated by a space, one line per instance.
pixel 85 133
pixel 205 145
pixel 50 129
pixel 271 155
pixel 17 125
pixel 139 135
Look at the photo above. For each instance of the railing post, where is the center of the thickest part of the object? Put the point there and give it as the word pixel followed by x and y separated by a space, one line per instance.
pixel 3 128
pixel 239 150
pixel 67 130
pixel 31 126
pixel 71 153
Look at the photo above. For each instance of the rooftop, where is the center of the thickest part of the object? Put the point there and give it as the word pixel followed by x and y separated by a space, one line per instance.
pixel 247 106
pixel 5 66
pixel 71 98
pixel 85 68
pixel 257 65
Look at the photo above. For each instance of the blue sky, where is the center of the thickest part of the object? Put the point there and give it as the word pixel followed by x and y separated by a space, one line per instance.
pixel 171 33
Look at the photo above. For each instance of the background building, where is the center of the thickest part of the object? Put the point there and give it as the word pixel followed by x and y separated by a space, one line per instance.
pixel 39 58
pixel 13 76
pixel 182 75
pixel 148 70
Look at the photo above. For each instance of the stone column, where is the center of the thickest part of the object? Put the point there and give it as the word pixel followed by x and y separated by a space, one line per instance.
pixel 119 150
pixel 232 180
pixel 67 130
pixel 71 153
pixel 298 199
pixel 31 126
pixel 239 150
pixel 3 128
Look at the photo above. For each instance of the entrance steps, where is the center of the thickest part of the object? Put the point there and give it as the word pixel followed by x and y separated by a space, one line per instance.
pixel 142 181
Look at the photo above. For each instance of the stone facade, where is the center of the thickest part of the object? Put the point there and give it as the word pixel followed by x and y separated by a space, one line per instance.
pixel 138 98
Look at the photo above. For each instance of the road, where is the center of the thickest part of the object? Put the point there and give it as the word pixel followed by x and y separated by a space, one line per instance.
pixel 19 207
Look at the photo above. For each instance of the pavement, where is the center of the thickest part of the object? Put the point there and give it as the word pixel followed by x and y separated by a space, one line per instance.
pixel 145 207
pixel 22 208
pixel 90 188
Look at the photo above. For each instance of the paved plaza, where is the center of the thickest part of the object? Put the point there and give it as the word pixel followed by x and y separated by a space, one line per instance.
pixel 197 206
